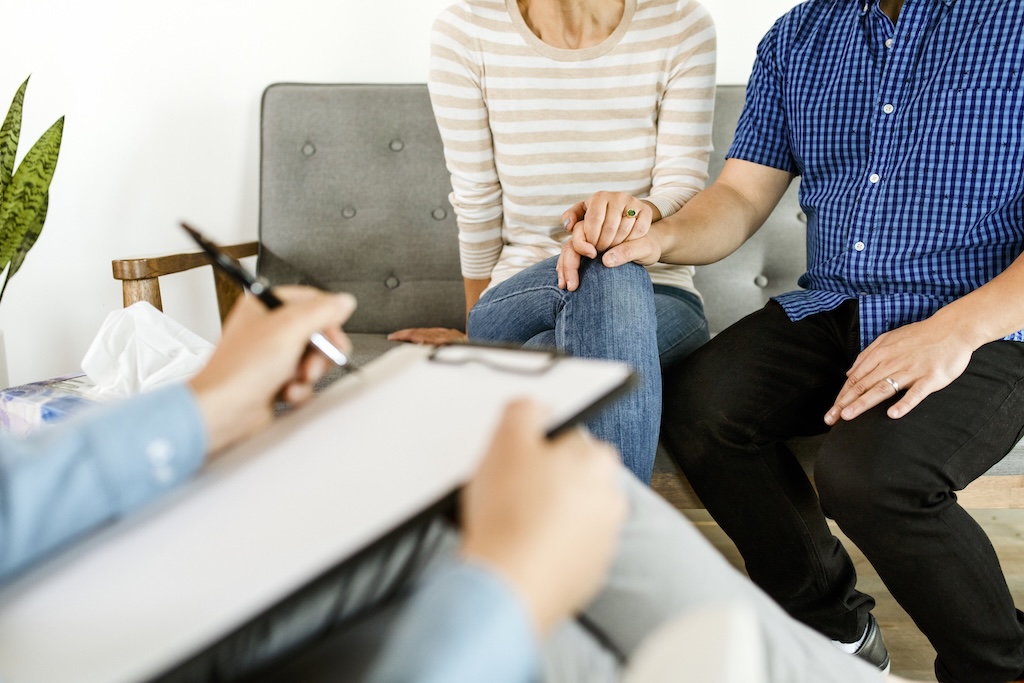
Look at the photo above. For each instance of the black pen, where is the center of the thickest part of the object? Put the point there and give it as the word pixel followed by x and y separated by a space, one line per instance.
pixel 260 288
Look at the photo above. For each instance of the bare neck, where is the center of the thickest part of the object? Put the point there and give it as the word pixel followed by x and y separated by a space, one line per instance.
pixel 572 24
pixel 891 8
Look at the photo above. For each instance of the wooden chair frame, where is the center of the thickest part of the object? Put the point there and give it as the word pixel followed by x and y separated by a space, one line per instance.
pixel 140 276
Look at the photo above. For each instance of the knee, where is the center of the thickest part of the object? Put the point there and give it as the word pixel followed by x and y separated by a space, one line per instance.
pixel 627 285
pixel 627 272
pixel 612 311
pixel 871 483
pixel 698 412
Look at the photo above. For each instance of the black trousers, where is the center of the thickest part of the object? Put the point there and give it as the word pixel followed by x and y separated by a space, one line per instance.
pixel 889 484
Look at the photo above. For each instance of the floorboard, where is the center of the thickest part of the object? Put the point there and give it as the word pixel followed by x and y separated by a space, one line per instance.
pixel 911 654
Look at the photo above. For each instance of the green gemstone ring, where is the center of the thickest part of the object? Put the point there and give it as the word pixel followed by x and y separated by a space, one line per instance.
pixel 630 212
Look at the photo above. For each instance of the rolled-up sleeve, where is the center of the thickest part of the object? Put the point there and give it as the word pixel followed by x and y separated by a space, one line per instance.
pixel 103 463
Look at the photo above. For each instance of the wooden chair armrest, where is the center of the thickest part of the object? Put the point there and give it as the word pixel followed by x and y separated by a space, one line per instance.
pixel 139 276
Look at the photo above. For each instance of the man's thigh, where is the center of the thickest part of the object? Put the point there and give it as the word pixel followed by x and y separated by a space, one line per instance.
pixel 765 377
pixel 951 438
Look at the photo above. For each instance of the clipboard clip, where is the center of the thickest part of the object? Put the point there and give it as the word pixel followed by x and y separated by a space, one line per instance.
pixel 512 360
pixel 528 362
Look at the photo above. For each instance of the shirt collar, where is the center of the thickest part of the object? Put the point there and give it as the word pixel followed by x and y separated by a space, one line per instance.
pixel 865 5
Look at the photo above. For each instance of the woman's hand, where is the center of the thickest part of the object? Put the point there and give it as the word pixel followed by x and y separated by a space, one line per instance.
pixel 644 250
pixel 607 220
pixel 435 336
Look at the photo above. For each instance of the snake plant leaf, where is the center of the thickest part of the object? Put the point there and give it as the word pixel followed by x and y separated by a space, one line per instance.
pixel 30 238
pixel 26 244
pixel 23 205
pixel 9 134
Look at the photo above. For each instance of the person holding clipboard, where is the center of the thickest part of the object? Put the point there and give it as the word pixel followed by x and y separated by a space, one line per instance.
pixel 550 528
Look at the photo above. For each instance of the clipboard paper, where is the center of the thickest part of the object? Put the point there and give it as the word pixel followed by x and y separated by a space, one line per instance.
pixel 372 450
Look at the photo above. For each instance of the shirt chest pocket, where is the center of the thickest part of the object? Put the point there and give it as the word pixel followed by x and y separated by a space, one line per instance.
pixel 975 147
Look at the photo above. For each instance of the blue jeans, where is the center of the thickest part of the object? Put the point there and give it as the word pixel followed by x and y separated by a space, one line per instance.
pixel 614 314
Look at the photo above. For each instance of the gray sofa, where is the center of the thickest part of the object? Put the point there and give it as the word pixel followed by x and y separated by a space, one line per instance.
pixel 354 197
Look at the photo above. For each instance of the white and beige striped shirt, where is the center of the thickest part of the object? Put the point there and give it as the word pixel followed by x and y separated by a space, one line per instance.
pixel 530 129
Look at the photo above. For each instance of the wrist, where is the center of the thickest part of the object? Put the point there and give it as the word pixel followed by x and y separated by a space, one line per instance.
pixel 656 214
pixel 663 238
pixel 963 325
pixel 225 420
pixel 511 570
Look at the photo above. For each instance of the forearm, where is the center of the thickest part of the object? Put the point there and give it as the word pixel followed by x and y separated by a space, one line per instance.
pixel 720 219
pixel 709 227
pixel 685 117
pixel 75 477
pixel 990 312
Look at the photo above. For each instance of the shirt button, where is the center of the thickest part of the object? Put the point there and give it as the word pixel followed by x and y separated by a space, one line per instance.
pixel 859 246
pixel 888 43
pixel 874 177
pixel 888 109
pixel 161 454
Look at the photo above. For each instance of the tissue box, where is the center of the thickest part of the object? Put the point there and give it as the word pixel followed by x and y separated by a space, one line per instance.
pixel 26 408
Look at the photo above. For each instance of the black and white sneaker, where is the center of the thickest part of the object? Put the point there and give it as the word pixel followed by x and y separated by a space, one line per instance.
pixel 872 650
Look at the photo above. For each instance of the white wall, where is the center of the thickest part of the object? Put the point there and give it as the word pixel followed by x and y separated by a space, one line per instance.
pixel 162 110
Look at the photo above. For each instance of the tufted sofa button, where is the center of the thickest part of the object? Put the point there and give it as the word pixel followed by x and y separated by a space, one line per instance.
pixel 309 149
pixel 348 212
pixel 439 214
pixel 761 281
pixel 391 282
pixel 397 145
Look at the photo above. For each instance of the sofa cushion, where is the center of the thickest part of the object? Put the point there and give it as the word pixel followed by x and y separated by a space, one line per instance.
pixel 354 197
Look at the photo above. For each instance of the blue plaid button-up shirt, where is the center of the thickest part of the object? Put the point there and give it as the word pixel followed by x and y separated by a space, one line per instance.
pixel 909 140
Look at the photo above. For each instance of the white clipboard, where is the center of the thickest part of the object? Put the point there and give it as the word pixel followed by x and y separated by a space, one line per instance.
pixel 374 449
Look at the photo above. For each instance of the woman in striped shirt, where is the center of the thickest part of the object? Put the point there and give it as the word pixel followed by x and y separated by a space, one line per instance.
pixel 590 115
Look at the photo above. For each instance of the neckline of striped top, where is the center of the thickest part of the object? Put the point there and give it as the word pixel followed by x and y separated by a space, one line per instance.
pixel 571 55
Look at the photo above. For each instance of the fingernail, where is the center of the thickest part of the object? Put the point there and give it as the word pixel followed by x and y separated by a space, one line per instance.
pixel 829 419
pixel 611 260
pixel 847 413
pixel 565 223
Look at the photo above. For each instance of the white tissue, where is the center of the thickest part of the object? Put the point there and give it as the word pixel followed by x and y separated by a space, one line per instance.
pixel 139 348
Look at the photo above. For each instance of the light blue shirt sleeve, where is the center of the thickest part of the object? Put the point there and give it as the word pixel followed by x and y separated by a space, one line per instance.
pixel 76 476
pixel 464 624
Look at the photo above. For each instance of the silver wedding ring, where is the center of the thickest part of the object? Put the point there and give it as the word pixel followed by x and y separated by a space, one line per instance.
pixel 894 384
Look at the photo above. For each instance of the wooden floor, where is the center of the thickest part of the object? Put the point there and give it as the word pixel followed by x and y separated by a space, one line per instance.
pixel 911 654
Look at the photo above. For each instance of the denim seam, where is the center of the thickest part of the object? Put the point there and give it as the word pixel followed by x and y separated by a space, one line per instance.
pixel 518 293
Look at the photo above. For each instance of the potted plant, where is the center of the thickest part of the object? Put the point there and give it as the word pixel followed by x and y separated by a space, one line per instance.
pixel 24 194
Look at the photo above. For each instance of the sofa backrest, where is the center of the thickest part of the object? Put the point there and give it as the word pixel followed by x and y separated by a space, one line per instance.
pixel 771 261
pixel 354 197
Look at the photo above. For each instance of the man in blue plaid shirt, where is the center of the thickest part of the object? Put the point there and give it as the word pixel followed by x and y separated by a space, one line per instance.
pixel 905 121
